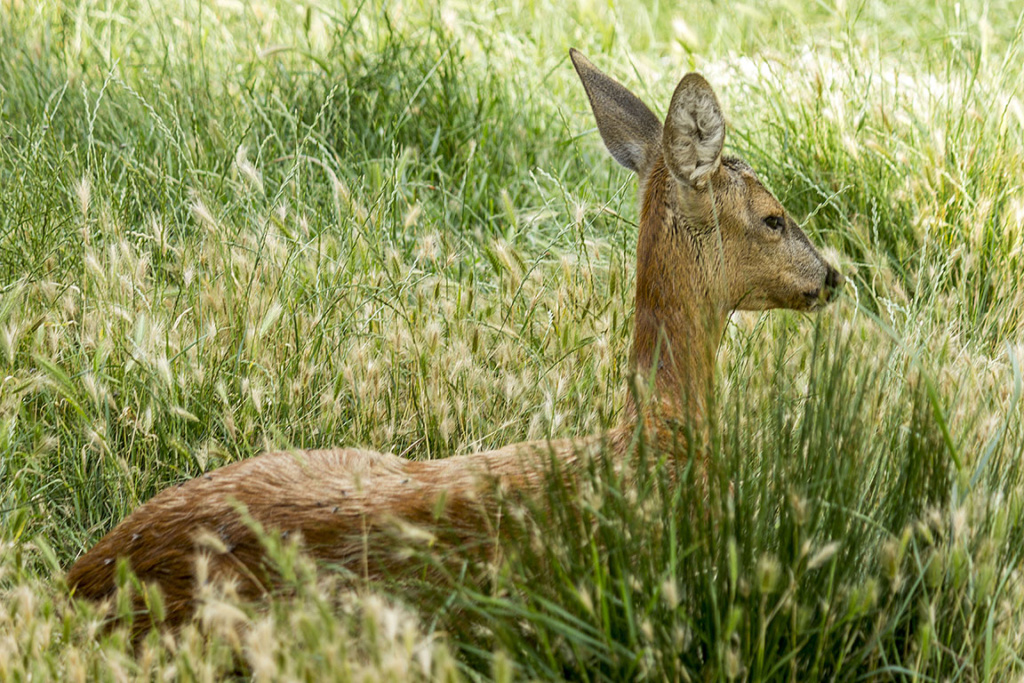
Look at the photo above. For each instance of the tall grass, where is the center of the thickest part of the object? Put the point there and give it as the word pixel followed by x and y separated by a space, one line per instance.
pixel 228 227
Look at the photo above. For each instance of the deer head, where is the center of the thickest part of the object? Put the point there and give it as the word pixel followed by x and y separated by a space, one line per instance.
pixel 712 238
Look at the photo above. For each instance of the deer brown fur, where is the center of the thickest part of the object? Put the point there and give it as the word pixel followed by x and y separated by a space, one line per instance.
pixel 712 240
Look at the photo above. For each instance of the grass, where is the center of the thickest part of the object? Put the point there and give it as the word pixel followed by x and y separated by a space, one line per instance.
pixel 229 227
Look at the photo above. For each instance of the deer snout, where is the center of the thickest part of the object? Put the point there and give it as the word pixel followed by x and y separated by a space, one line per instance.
pixel 828 290
pixel 833 283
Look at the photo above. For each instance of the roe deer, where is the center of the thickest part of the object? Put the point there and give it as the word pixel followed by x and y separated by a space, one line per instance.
pixel 712 239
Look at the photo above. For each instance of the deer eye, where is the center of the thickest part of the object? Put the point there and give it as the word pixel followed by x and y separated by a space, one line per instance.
pixel 776 223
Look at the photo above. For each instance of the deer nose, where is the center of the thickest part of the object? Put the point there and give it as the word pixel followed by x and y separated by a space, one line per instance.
pixel 833 282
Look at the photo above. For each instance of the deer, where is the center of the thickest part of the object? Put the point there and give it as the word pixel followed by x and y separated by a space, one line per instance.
pixel 711 240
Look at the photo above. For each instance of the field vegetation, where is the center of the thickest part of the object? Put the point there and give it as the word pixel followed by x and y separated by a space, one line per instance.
pixel 231 226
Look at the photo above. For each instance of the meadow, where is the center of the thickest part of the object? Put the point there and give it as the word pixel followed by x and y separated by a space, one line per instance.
pixel 233 226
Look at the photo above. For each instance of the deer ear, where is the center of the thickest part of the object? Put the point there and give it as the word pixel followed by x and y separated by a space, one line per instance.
pixel 630 131
pixel 694 132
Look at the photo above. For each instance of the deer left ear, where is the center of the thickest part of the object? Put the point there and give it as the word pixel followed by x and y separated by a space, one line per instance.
pixel 694 132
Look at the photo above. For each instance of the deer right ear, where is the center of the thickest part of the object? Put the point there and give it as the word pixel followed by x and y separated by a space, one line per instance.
pixel 630 130
pixel 694 132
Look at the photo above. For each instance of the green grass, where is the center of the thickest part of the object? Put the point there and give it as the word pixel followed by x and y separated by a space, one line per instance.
pixel 236 226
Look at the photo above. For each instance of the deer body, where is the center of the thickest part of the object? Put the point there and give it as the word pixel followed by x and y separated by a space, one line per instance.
pixel 712 239
pixel 338 500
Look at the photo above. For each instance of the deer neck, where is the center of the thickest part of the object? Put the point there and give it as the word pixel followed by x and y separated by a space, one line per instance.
pixel 680 315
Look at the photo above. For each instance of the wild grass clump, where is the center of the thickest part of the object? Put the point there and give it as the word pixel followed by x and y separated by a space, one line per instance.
pixel 321 630
pixel 828 555
pixel 237 226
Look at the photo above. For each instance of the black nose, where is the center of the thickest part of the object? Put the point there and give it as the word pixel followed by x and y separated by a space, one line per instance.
pixel 833 281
